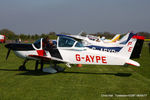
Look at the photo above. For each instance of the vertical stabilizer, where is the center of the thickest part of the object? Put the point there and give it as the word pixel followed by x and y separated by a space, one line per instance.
pixel 133 47
pixel 127 50
pixel 115 38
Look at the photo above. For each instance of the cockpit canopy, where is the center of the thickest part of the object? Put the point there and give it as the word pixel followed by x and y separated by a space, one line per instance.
pixel 63 41
pixel 68 42
pixel 37 44
pixel 93 38
pixel 41 43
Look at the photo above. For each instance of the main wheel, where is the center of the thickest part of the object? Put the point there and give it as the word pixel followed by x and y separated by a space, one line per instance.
pixel 22 68
pixel 59 69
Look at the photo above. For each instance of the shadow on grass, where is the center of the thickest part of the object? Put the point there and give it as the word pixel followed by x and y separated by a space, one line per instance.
pixel 38 73
pixel 115 74
pixel 8 70
pixel 33 73
pixel 27 72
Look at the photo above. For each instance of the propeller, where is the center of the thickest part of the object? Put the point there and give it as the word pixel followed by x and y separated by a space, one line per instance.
pixel 8 53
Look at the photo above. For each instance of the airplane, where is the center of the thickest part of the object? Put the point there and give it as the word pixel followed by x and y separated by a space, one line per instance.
pixel 2 38
pixel 94 38
pixel 89 39
pixel 70 51
pixel 114 39
pixel 97 43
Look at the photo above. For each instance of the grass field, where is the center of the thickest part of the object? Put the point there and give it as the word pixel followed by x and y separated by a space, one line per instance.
pixel 86 83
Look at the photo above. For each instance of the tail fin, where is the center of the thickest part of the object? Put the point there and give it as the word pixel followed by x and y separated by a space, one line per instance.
pixel 115 38
pixel 126 38
pixel 138 47
pixel 80 32
pixel 133 47
pixel 127 50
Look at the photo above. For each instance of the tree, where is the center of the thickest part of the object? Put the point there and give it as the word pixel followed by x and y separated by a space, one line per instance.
pixel 23 36
pixel 52 33
pixel 43 35
pixel 99 34
pixel 145 34
pixel 36 36
pixel 9 34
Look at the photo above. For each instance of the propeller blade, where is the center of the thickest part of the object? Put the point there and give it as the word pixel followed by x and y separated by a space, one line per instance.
pixel 8 53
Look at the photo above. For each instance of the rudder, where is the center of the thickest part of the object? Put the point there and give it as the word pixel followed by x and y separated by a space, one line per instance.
pixel 138 47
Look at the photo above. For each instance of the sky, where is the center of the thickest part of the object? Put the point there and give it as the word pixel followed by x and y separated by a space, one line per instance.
pixel 72 16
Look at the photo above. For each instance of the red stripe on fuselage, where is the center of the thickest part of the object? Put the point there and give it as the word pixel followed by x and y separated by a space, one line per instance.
pixel 41 52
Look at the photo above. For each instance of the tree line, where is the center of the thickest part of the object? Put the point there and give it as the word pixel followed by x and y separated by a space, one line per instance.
pixel 10 35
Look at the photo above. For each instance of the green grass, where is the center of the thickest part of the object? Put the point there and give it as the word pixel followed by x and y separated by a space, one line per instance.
pixel 86 83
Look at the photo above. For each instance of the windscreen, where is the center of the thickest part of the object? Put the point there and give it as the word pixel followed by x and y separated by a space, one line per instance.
pixel 65 42
pixel 37 44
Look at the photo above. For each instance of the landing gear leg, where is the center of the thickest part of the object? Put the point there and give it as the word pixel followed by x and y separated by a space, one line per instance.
pixel 41 65
pixel 36 65
pixel 22 67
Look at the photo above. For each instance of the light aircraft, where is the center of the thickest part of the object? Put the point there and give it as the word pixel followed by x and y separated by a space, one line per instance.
pixel 71 51
pixel 2 38
pixel 90 39
pixel 97 43
pixel 114 39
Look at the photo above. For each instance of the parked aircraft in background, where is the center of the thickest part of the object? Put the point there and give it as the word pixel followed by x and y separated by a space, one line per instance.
pixel 97 43
pixel 2 39
pixel 114 39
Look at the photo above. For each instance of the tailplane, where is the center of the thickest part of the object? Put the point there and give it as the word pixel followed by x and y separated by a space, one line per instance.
pixel 133 63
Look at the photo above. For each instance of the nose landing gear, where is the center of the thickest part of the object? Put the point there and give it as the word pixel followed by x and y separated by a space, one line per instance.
pixel 22 67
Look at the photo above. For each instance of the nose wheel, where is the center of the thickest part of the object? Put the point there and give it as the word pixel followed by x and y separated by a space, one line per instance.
pixel 22 67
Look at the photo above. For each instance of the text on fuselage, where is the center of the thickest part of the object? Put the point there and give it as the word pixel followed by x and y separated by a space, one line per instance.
pixel 91 59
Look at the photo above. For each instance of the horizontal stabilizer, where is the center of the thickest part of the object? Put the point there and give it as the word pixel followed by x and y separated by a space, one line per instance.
pixel 131 62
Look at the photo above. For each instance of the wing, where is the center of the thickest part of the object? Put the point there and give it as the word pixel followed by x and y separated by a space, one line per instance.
pixel 40 57
pixel 47 58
